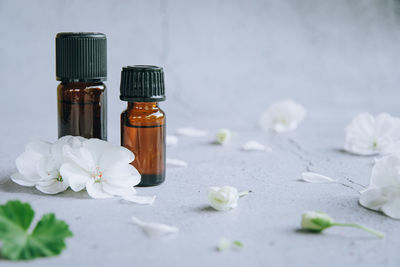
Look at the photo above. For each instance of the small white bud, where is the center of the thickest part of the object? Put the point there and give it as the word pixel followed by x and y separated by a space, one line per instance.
pixel 316 221
pixel 223 136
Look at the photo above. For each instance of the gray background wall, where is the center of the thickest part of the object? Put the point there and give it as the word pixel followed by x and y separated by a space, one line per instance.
pixel 220 57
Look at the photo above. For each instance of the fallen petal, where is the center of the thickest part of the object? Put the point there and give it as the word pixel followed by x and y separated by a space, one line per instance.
pixel 312 177
pixel 139 199
pixel 255 146
pixel 191 132
pixel 171 140
pixel 176 162
pixel 154 230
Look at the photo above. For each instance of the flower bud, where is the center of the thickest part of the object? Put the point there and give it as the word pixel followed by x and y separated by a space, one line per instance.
pixel 316 221
pixel 224 198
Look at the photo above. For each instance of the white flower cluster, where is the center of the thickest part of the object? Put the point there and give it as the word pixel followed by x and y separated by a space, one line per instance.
pixel 100 167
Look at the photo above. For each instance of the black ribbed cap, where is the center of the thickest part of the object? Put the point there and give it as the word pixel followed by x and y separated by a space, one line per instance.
pixel 81 56
pixel 142 83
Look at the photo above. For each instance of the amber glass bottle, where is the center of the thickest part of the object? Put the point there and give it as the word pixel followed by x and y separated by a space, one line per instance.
pixel 143 122
pixel 81 66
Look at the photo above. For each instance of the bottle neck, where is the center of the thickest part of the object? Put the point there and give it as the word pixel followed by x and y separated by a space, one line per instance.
pixel 143 105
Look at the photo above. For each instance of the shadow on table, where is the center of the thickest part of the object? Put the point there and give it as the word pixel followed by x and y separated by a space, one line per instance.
pixel 8 186
pixel 206 208
pixel 335 235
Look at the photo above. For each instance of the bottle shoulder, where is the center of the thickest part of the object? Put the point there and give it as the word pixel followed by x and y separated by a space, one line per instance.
pixel 144 117
pixel 79 86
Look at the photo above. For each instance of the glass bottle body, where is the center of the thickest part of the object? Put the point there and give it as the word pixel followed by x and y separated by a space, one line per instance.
pixel 143 132
pixel 82 109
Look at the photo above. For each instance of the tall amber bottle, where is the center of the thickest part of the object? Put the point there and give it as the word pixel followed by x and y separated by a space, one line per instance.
pixel 81 66
pixel 143 122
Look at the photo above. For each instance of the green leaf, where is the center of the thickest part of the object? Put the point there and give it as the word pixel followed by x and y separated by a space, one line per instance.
pixel 47 238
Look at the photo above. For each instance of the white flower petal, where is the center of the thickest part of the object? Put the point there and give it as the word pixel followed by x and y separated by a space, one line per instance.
pixel 124 175
pixel 139 199
pixel 171 140
pixel 96 147
pixel 57 149
pixel 115 155
pixel 283 116
pixel 392 208
pixel 39 147
pixel 154 230
pixel 191 132
pixel 313 177
pixel 369 135
pixel 80 156
pixel 383 193
pixel 27 163
pixel 373 198
pixel 95 190
pixel 18 178
pixel 51 186
pixel 175 162
pixel 47 168
pixel 385 172
pixel 255 146
pixel 76 176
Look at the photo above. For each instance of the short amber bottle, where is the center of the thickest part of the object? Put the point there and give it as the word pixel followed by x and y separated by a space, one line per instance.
pixel 81 66
pixel 143 122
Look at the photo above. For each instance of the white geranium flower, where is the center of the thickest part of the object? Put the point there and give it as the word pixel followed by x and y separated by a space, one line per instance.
pixel 369 135
pixel 223 136
pixel 283 116
pixel 383 192
pixel 40 164
pixel 224 198
pixel 27 163
pixel 102 168
pixel 51 181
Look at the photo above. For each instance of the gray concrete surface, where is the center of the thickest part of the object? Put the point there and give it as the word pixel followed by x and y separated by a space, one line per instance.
pixel 225 62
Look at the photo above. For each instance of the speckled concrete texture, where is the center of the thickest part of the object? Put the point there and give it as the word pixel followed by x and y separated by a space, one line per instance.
pixel 225 62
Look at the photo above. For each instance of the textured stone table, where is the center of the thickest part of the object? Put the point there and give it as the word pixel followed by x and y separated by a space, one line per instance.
pixel 225 63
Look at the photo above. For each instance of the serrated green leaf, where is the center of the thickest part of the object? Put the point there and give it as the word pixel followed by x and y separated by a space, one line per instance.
pixel 47 238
